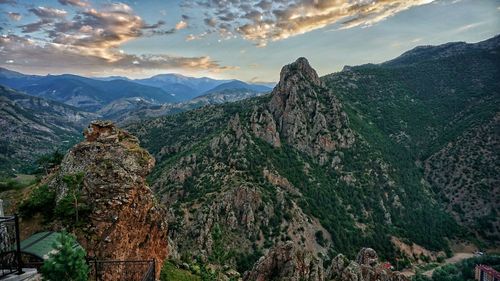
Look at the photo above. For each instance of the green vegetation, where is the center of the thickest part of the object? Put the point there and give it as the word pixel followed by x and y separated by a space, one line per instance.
pixel 20 181
pixel 41 200
pixel 219 253
pixel 410 111
pixel 47 162
pixel 195 271
pixel 170 272
pixel 462 271
pixel 378 188
pixel 384 170
pixel 70 208
pixel 68 263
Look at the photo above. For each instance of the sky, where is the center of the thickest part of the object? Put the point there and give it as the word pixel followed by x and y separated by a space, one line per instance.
pixel 248 40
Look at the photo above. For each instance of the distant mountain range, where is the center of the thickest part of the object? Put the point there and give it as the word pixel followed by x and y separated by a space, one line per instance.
pixel 33 126
pixel 183 87
pixel 92 94
pixel 125 111
pixel 45 113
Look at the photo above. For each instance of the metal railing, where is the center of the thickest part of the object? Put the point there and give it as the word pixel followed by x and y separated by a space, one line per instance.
pixel 129 270
pixel 100 270
pixel 10 246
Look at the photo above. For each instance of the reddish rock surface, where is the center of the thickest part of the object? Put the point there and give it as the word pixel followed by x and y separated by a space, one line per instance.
pixel 124 222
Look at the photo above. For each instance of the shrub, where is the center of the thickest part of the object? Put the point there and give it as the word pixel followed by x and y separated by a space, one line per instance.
pixel 67 263
pixel 170 272
pixel 41 200
pixel 320 238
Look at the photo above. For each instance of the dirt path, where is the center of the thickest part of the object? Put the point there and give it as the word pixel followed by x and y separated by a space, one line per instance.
pixel 456 258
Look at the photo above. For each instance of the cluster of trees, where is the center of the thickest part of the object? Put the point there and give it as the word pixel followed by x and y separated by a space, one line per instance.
pixel 69 208
pixel 462 271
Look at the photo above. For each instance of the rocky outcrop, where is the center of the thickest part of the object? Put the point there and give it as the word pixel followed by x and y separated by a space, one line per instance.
pixel 367 256
pixel 119 218
pixel 286 262
pixel 289 262
pixel 342 269
pixel 304 113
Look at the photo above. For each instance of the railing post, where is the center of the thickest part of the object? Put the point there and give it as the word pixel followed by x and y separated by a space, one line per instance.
pixel 18 246
pixel 95 267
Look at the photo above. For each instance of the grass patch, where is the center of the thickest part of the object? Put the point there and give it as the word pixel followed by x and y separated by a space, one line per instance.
pixel 170 272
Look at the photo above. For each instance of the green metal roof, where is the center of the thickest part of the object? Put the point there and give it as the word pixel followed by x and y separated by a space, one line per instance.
pixel 41 244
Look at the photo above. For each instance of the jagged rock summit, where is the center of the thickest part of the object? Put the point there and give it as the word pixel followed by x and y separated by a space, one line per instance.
pixel 119 218
pixel 303 113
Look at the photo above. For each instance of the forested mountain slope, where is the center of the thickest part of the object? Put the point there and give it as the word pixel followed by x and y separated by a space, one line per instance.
pixel 441 104
pixel 287 166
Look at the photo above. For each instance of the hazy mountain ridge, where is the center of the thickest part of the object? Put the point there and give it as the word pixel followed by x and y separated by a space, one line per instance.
pixel 94 94
pixel 126 111
pixel 421 53
pixel 34 126
pixel 84 93
pixel 184 87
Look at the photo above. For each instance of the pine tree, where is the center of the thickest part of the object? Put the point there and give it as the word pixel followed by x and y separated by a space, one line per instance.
pixel 67 263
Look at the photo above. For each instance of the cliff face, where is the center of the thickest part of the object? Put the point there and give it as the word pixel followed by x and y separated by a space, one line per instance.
pixel 104 177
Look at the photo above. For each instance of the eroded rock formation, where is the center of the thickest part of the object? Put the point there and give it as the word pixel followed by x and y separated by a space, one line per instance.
pixel 304 113
pixel 290 262
pixel 286 262
pixel 119 218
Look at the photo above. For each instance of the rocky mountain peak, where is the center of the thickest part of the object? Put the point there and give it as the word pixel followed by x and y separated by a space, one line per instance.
pixel 299 70
pixel 305 113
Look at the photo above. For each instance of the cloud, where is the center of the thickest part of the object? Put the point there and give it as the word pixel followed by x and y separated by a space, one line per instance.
pixel 32 54
pixel 154 26
pixel 48 13
pixel 264 20
pixel 36 26
pixel 181 25
pixel 192 37
pixel 100 31
pixel 468 27
pixel 14 16
pixel 77 3
pixel 91 40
